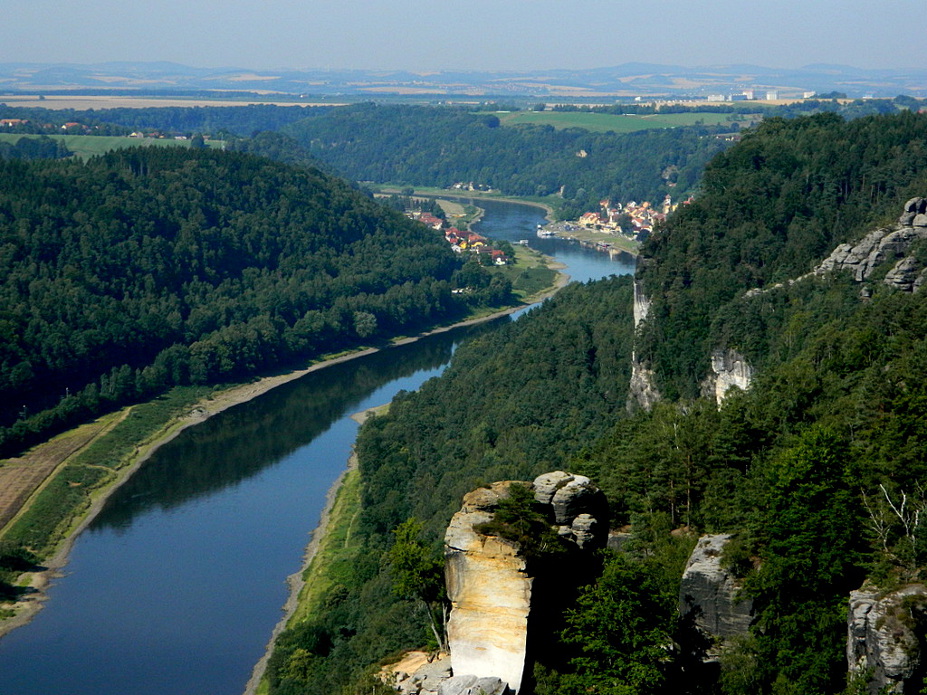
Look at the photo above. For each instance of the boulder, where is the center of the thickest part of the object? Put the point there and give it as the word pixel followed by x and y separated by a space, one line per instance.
pixel 473 685
pixel 576 497
pixel 709 594
pixel 585 531
pixel 547 484
pixel 913 205
pixel 425 679
pixel 920 221
pixel 885 635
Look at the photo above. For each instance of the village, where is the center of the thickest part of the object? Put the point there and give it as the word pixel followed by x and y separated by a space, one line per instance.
pixel 461 241
pixel 633 220
pixel 613 228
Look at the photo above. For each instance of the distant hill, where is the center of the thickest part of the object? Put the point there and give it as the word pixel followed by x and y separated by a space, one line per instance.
pixel 628 80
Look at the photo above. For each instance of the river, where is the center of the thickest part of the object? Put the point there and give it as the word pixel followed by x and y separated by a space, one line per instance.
pixel 176 585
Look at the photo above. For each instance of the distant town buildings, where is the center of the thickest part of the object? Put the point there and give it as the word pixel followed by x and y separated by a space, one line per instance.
pixel 460 240
pixel 632 219
pixel 751 95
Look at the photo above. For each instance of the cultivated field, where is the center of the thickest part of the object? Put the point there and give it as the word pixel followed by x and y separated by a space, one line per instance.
pixel 603 122
pixel 22 476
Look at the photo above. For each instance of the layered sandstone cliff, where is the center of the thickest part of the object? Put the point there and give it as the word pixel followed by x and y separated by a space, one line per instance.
pixel 489 581
pixel 490 593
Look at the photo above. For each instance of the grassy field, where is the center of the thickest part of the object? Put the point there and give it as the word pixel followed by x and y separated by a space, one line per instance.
pixel 591 236
pixel 85 146
pixel 529 274
pixel 602 122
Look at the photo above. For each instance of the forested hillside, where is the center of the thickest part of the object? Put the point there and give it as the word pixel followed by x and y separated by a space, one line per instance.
pixel 804 468
pixel 149 268
pixel 771 209
pixel 442 146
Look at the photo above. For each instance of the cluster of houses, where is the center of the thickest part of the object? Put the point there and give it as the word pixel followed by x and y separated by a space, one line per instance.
pixel 633 219
pixel 70 127
pixel 461 241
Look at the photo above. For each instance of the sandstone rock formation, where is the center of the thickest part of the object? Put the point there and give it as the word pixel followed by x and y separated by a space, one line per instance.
pixel 488 580
pixel 885 638
pixel 708 593
pixel 490 594
pixel 578 507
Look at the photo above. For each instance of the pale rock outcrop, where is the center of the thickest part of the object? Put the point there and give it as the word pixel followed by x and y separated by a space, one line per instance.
pixel 709 593
pixel 883 637
pixel 641 304
pixel 578 507
pixel 488 581
pixel 729 369
pixel 490 594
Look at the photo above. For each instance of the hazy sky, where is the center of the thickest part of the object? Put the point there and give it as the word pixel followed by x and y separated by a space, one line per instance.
pixel 424 35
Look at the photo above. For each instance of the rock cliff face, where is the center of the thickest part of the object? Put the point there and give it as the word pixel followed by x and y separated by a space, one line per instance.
pixel 642 391
pixel 488 580
pixel 885 638
pixel 708 594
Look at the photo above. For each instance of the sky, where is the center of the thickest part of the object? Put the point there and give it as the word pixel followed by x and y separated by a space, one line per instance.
pixel 477 35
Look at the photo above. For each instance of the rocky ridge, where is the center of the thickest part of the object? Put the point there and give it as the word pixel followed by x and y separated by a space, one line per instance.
pixel 883 245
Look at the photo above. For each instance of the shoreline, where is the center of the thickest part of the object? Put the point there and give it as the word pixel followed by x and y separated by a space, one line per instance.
pixel 26 609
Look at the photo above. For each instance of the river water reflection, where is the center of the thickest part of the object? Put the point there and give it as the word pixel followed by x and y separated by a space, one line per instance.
pixel 176 585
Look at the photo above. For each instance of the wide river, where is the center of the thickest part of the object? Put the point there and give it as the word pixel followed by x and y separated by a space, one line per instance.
pixel 177 584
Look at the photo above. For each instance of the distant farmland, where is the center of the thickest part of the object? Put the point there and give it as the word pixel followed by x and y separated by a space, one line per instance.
pixel 85 146
pixel 603 122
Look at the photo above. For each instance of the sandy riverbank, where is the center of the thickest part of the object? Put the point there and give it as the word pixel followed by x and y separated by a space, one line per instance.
pixel 27 608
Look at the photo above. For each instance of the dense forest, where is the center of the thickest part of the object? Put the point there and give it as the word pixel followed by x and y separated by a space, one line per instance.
pixel 803 468
pixel 148 268
pixel 241 121
pixel 34 148
pixel 442 146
